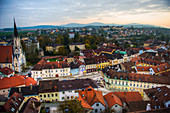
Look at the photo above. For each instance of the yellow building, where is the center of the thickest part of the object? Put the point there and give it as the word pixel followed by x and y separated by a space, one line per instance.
pixel 122 81
pixel 48 90
pixel 101 62
pixel 79 45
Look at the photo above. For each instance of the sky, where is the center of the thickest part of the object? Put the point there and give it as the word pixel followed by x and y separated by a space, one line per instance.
pixel 59 12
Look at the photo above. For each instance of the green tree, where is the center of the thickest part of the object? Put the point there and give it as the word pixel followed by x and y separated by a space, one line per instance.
pixel 76 48
pixel 71 106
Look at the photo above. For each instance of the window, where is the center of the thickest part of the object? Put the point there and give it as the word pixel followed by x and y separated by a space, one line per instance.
pixel 67 97
pixel 44 95
pixel 137 85
pixel 63 92
pixel 115 106
pixel 46 71
pixel 96 110
pixel 97 104
pixel 56 94
pixel 3 90
pixel 130 84
pixel 56 70
pixel 60 70
pixel 40 95
pixel 52 95
pixel 62 98
pixel 48 95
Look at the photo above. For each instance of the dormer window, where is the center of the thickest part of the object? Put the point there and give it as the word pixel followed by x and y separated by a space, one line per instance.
pixel 165 67
pixel 158 68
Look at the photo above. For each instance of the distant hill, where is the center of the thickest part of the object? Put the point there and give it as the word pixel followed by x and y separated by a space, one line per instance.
pixel 136 25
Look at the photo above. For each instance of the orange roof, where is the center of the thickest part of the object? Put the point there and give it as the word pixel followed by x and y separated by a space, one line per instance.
pixel 84 103
pixel 112 99
pixel 92 96
pixel 143 68
pixel 15 81
pixel 6 54
pixel 129 96
pixel 161 67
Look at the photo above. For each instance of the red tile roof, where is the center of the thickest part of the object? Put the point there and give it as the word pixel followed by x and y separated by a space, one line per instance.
pixel 6 54
pixel 13 102
pixel 84 103
pixel 142 68
pixel 15 81
pixel 6 70
pixel 158 96
pixel 160 68
pixel 92 96
pixel 112 99
pixel 129 96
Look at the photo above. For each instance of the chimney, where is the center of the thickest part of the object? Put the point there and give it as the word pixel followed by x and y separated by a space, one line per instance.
pixel 30 86
pixel 19 89
pixel 148 107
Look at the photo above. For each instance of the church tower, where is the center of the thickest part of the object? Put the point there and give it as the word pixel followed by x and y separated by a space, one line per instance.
pixel 19 56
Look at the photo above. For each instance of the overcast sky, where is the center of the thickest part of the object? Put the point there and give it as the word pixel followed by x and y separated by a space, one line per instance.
pixel 58 12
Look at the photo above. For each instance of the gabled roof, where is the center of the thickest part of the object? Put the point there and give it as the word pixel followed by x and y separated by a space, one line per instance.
pixel 112 99
pixel 50 65
pixel 48 86
pixel 14 102
pixel 158 96
pixel 161 68
pixel 32 105
pixel 89 61
pixel 100 59
pixel 15 81
pixel 142 68
pixel 6 70
pixel 76 84
pixel 6 53
pixel 92 96
pixel 25 91
pixel 129 96
pixel 84 103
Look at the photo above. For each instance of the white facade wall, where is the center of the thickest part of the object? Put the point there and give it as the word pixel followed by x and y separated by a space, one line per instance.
pixel 117 108
pixel 67 95
pixel 98 106
pixel 48 73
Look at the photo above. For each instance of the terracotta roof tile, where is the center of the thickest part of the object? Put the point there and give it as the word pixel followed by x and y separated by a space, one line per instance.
pixel 6 70
pixel 13 102
pixel 15 81
pixel 92 96
pixel 112 99
pixel 6 53
pixel 129 96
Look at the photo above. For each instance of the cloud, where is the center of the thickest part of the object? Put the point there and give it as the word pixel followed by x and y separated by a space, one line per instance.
pixel 34 12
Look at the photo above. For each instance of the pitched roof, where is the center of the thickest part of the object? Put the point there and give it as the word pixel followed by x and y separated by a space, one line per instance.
pixel 112 99
pixel 6 70
pixel 50 65
pixel 137 77
pixel 6 53
pixel 89 61
pixel 161 68
pixel 84 103
pixel 76 84
pixel 137 105
pixel 100 59
pixel 76 43
pixel 15 81
pixel 92 96
pixel 48 86
pixel 129 96
pixel 158 96
pixel 14 102
pixel 31 106
pixel 76 64
pixel 27 90
pixel 142 68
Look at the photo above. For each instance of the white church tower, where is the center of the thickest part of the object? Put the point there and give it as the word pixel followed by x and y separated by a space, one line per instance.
pixel 18 55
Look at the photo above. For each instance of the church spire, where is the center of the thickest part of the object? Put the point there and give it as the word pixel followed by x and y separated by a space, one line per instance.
pixel 15 30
